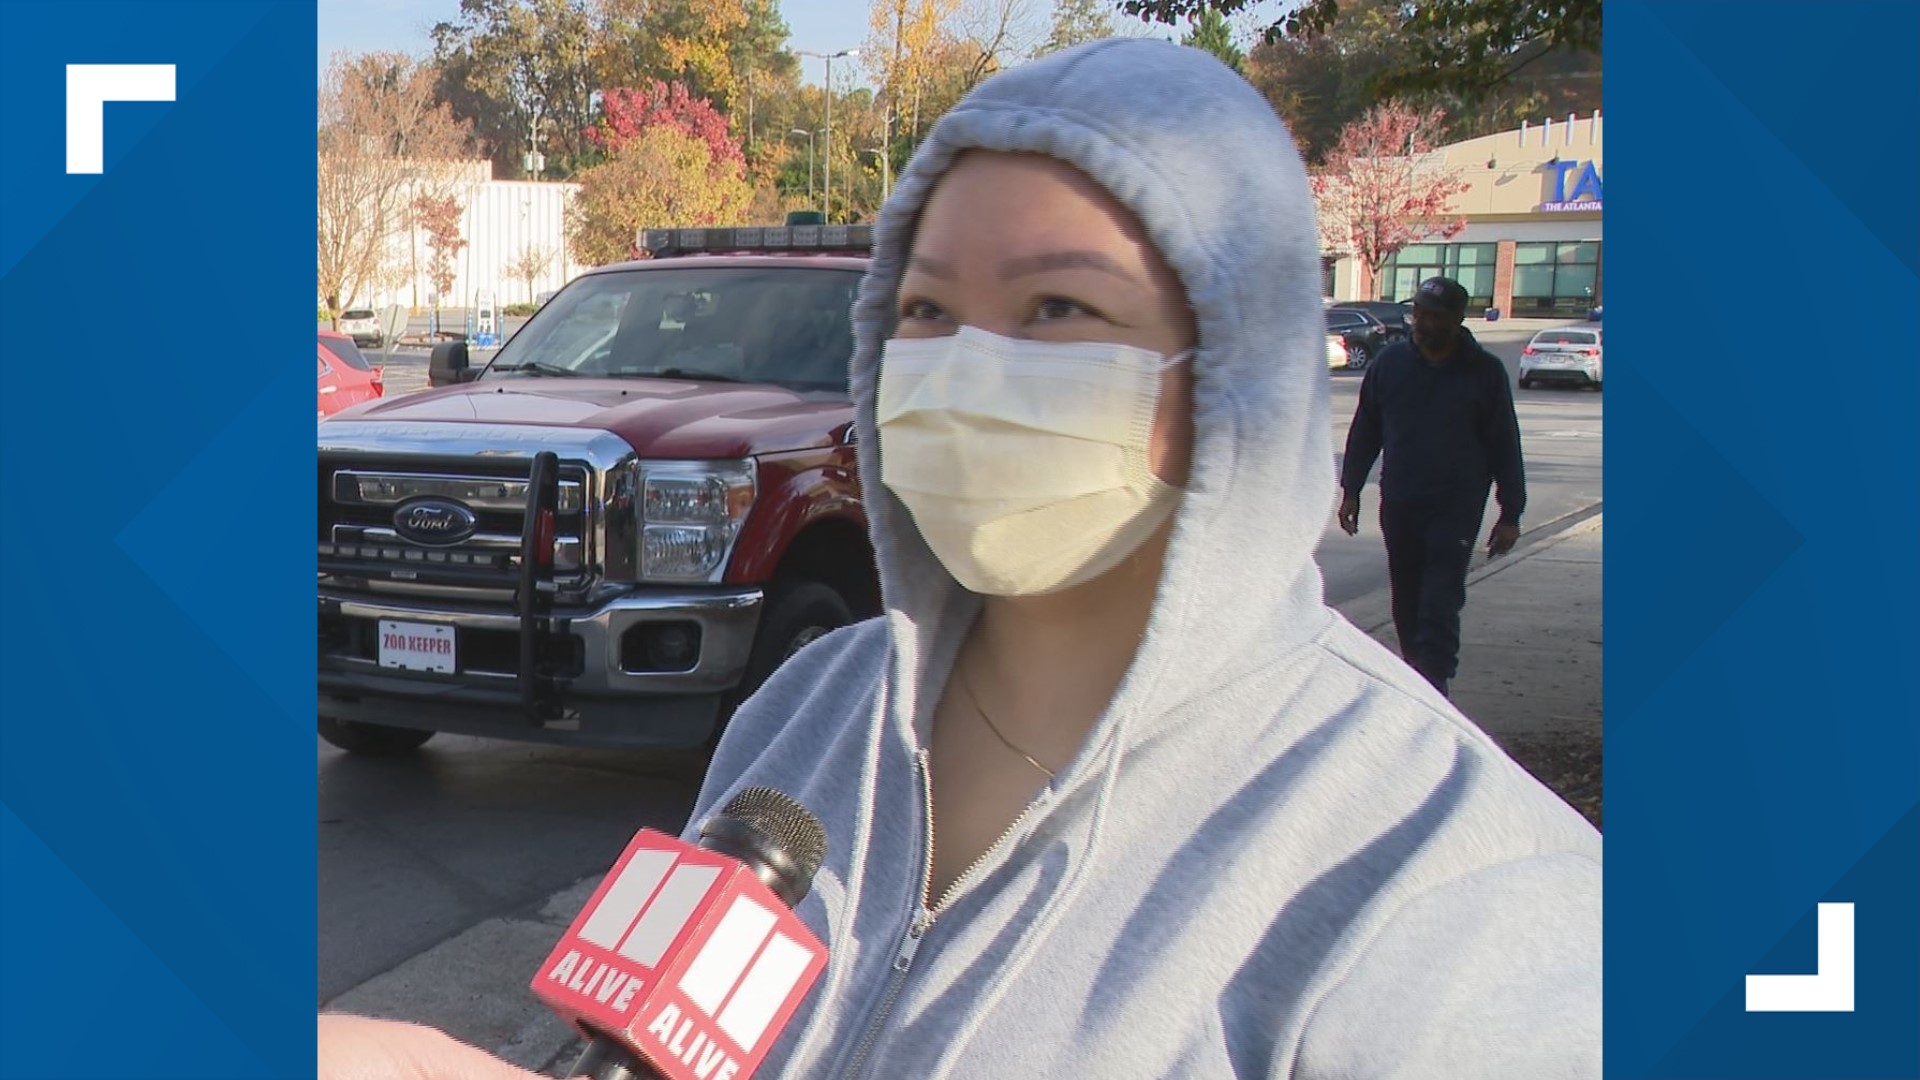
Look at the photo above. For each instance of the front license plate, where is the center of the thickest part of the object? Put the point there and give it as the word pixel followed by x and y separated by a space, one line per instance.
pixel 413 646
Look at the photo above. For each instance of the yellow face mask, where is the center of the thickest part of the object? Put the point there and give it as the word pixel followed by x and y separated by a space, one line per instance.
pixel 1024 463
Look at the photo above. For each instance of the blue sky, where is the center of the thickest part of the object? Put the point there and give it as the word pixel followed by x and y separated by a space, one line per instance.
pixel 365 25
pixel 817 25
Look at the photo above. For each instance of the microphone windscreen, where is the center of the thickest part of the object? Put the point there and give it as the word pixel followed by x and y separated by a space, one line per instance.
pixel 789 826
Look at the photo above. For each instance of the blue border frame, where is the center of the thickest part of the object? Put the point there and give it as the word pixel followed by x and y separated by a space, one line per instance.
pixel 156 805
pixel 1763 726
pixel 156 824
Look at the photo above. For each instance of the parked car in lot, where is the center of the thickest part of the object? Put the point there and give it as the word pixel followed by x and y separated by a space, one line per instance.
pixel 362 326
pixel 346 378
pixel 1363 332
pixel 616 529
pixel 1567 357
pixel 1395 315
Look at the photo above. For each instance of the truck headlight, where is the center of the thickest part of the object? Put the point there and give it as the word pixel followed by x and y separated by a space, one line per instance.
pixel 690 514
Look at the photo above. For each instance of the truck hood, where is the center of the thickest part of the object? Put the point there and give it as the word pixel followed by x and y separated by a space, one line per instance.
pixel 659 418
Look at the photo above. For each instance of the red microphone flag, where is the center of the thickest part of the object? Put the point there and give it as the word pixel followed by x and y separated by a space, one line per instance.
pixel 683 956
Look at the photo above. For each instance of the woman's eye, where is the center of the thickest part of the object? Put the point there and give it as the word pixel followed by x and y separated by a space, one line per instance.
pixel 1055 307
pixel 920 310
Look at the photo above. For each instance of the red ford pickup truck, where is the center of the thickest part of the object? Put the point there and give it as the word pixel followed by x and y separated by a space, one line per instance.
pixel 618 527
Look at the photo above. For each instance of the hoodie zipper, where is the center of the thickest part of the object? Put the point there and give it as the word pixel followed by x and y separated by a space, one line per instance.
pixel 923 919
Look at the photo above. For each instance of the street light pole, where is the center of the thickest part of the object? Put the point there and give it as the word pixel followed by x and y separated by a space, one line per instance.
pixel 826 212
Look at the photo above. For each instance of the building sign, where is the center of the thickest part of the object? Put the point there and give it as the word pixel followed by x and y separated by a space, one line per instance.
pixel 1585 192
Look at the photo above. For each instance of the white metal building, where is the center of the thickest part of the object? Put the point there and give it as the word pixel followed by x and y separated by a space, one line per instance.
pixel 500 219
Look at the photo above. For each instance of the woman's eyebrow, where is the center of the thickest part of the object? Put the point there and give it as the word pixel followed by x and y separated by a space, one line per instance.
pixel 1063 260
pixel 932 267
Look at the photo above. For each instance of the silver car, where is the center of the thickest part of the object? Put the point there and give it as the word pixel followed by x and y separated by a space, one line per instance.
pixel 1569 356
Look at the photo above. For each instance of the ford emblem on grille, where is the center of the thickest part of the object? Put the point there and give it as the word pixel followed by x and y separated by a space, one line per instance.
pixel 434 521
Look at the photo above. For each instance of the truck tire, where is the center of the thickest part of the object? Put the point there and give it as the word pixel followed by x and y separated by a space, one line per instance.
pixel 796 612
pixel 371 740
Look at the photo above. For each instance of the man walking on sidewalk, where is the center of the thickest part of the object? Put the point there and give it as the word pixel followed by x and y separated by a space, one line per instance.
pixel 1439 407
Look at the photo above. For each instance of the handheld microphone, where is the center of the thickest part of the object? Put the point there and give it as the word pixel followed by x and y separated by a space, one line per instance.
pixel 688 960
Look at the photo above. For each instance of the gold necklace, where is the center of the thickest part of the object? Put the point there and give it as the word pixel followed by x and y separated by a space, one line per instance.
pixel 966 686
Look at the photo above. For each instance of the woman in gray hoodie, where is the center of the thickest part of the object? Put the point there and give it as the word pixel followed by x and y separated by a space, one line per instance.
pixel 1109 791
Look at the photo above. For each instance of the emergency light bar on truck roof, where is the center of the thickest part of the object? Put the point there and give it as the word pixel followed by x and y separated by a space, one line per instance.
pixel 757 240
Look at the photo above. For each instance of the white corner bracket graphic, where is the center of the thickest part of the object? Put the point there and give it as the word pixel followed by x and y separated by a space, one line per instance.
pixel 1828 989
pixel 89 88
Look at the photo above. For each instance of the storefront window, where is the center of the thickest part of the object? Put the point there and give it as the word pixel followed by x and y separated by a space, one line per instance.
pixel 1555 279
pixel 1469 264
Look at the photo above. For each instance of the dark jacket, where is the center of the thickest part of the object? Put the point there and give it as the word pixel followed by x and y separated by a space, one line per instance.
pixel 1448 430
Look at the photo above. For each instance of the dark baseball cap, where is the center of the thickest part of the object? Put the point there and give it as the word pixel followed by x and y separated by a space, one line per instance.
pixel 1441 294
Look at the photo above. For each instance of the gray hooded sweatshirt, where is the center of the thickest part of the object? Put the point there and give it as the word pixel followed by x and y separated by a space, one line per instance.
pixel 1279 853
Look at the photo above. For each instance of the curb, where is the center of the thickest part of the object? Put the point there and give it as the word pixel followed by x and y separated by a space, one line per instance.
pixel 1373 612
pixel 474 985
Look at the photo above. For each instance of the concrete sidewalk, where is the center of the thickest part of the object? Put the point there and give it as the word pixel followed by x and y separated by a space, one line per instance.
pixel 1529 675
pixel 1530 655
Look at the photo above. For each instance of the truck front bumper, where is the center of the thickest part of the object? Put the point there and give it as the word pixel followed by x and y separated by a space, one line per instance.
pixel 606 693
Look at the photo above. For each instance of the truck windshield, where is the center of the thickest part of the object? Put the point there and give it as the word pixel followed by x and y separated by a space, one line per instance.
pixel 784 325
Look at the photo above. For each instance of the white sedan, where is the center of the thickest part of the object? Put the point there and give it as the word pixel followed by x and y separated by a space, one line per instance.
pixel 1570 356
pixel 1336 351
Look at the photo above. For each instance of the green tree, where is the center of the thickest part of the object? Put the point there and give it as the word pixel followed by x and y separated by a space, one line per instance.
pixel 1076 22
pixel 1211 32
pixel 1321 82
pixel 1466 49
pixel 762 65
pixel 520 71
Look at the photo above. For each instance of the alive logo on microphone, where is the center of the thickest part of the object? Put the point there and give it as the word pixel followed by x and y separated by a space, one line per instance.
pixel 684 956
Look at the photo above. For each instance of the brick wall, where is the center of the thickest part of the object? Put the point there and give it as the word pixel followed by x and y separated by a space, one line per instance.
pixel 1503 277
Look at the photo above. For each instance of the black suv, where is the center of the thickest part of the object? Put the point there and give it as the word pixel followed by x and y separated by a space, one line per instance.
pixel 1392 313
pixel 1363 331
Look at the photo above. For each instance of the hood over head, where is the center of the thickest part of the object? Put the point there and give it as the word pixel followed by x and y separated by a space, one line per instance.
pixel 1201 159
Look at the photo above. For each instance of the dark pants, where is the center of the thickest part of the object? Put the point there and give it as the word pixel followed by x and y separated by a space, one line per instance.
pixel 1428 549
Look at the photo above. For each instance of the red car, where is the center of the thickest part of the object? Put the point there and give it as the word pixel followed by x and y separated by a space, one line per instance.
pixel 346 378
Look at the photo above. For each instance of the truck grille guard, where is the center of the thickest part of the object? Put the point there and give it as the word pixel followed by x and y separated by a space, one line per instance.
pixel 539 689
pixel 573 479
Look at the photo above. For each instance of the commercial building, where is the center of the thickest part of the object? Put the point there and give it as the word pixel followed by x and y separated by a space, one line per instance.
pixel 1531 246
pixel 501 221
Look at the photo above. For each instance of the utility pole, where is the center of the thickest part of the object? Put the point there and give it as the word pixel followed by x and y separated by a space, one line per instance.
pixel 827 165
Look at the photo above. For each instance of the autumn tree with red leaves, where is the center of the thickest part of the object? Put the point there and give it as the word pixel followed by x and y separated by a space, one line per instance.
pixel 670 162
pixel 1383 187
pixel 439 218
pixel 628 113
